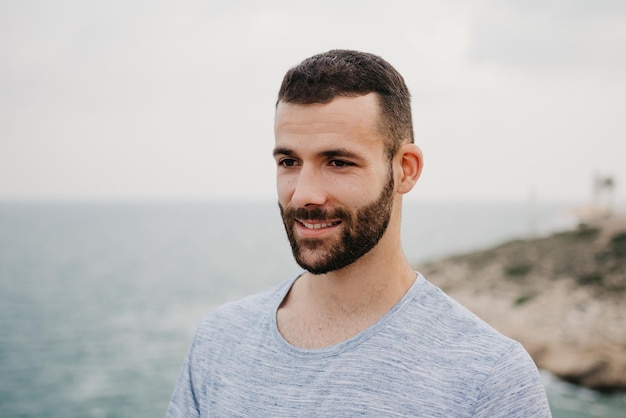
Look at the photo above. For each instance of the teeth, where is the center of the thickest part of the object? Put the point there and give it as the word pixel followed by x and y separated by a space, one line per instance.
pixel 317 226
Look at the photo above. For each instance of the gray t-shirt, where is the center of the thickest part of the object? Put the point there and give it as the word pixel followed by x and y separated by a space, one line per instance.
pixel 427 357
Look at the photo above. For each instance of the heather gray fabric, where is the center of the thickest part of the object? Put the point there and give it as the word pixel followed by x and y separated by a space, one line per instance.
pixel 427 357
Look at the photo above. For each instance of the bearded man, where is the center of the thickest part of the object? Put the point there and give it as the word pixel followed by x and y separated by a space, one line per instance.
pixel 359 332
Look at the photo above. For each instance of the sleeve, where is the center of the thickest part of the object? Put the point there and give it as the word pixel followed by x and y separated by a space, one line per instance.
pixel 513 388
pixel 184 402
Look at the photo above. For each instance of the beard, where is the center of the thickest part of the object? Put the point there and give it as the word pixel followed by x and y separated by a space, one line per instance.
pixel 362 229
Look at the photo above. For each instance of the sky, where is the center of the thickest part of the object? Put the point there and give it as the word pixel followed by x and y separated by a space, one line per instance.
pixel 174 100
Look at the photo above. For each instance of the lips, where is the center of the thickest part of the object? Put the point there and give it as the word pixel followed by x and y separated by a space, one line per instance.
pixel 317 225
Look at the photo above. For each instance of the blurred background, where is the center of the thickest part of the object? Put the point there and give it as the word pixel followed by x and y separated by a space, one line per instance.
pixel 163 100
pixel 137 182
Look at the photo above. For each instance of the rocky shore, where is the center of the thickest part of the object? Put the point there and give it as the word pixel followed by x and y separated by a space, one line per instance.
pixel 562 296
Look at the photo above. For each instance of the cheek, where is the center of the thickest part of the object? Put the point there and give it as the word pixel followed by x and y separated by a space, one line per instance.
pixel 284 187
pixel 362 190
pixel 358 196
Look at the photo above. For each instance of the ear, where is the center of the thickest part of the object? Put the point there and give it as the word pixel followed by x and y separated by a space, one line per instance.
pixel 411 161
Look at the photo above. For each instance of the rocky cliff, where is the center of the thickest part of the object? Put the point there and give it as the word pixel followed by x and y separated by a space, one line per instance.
pixel 563 297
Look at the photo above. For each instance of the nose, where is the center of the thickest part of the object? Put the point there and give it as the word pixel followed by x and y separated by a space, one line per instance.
pixel 309 189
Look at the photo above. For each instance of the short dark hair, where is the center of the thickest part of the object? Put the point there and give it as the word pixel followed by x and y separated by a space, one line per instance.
pixel 322 77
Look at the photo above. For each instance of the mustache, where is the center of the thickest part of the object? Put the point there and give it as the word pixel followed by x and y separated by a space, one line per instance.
pixel 315 214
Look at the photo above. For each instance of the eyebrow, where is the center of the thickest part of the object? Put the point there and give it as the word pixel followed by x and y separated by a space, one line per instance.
pixel 340 152
pixel 282 151
pixel 332 153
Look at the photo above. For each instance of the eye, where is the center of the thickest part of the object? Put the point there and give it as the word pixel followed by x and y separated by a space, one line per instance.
pixel 287 162
pixel 340 163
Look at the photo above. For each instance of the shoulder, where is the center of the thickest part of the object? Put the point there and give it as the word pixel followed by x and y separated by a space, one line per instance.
pixel 232 326
pixel 447 323
pixel 505 378
pixel 513 388
pixel 240 316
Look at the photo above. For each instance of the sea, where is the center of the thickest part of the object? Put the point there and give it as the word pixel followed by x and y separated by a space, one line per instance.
pixel 99 300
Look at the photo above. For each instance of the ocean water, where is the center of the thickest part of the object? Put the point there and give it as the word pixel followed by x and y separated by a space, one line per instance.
pixel 98 301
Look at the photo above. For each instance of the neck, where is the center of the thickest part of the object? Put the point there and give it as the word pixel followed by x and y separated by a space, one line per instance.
pixel 370 286
pixel 324 310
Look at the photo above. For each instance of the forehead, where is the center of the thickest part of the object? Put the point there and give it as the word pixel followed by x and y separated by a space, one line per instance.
pixel 342 119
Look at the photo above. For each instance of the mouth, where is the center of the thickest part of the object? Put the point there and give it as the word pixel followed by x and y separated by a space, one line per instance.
pixel 317 225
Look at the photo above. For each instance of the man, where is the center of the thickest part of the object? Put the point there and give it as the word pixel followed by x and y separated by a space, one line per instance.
pixel 359 332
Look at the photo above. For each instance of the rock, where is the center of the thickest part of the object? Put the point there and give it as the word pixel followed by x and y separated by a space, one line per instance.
pixel 562 297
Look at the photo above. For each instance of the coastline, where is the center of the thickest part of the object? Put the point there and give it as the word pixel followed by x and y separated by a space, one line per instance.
pixel 561 296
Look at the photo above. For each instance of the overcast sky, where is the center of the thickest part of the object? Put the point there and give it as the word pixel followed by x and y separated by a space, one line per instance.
pixel 154 99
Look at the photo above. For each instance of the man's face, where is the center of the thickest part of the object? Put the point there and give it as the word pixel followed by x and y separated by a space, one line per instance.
pixel 335 183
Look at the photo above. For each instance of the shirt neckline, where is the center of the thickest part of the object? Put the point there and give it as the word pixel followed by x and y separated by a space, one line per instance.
pixel 358 339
